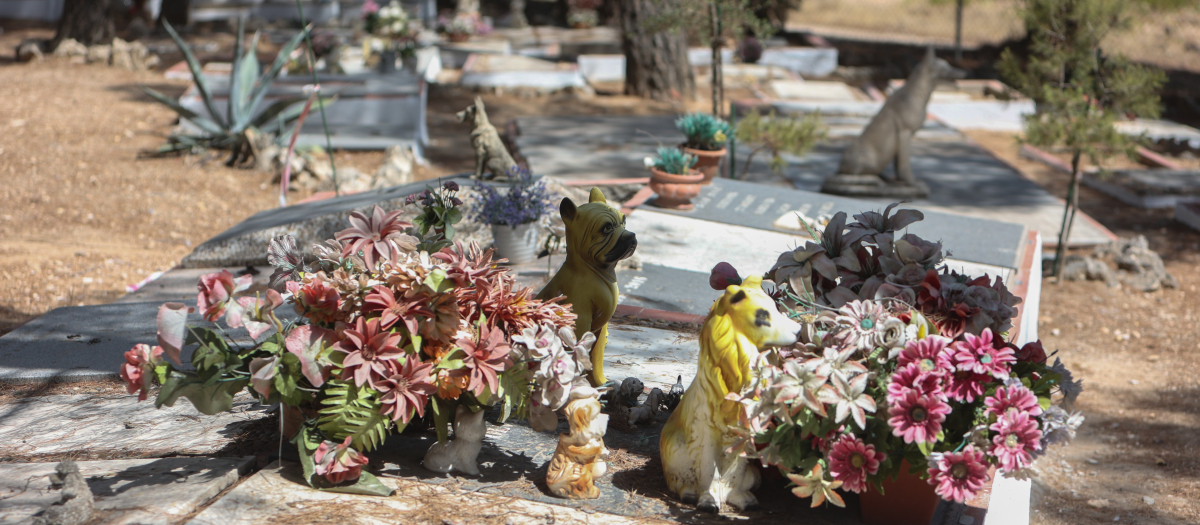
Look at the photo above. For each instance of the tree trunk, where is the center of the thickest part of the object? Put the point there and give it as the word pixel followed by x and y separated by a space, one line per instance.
pixel 1068 221
pixel 656 64
pixel 718 75
pixel 87 21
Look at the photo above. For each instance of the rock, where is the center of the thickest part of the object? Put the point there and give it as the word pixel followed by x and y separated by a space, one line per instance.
pixel 69 48
pixel 29 50
pixel 1079 268
pixel 99 54
pixel 133 56
pixel 1148 500
pixel 397 168
pixel 76 503
pixel 1098 503
pixel 1138 266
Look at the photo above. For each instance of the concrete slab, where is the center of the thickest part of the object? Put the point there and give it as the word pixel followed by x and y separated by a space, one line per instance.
pixel 1148 188
pixel 964 179
pixel 80 343
pixel 515 71
pixel 1163 131
pixel 454 55
pixel 1189 214
pixel 104 426
pixel 702 56
pixel 804 61
pixel 664 288
pixel 602 68
pixel 991 115
pixel 138 491
pixel 814 90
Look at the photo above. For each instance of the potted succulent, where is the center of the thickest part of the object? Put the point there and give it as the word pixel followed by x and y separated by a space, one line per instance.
pixel 386 332
pixel 904 377
pixel 674 178
pixel 514 214
pixel 706 136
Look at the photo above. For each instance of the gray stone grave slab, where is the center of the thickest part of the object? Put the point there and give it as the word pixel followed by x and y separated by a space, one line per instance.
pixel 738 203
pixel 1189 214
pixel 1148 188
pixel 1164 132
pixel 80 343
pixel 803 61
pixel 118 426
pixel 661 287
pixel 454 55
pixel 372 111
pixel 131 491
pixel 814 90
pixel 602 68
pixel 516 71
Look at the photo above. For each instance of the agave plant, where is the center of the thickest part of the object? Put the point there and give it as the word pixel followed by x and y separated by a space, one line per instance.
pixel 703 131
pixel 228 129
pixel 672 160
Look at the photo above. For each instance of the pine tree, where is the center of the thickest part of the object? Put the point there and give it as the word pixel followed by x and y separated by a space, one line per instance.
pixel 1078 90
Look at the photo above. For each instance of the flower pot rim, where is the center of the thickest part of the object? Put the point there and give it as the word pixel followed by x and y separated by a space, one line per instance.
pixel 693 177
pixel 705 152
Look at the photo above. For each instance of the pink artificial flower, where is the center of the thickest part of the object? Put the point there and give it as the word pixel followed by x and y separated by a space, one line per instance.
pixel 367 348
pixel 722 276
pixel 338 463
pixel 254 313
pixel 1015 397
pixel 406 389
pixel 216 289
pixel 930 353
pixel 1018 437
pixel 315 299
pixel 964 387
pixel 958 476
pixel 979 355
pixel 139 368
pixel 369 7
pixel 851 461
pixel 308 343
pixel 172 328
pixel 912 377
pixel 917 418
pixel 371 237
pixel 395 310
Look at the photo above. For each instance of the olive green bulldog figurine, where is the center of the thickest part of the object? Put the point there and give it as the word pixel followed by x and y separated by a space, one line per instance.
pixel 596 240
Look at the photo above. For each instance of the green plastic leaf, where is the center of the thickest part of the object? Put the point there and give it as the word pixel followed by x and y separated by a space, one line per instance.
pixel 209 399
pixel 449 231
pixel 435 279
pixel 194 67
pixel 453 216
pixel 452 360
pixel 1044 402
pixel 306 445
pixel 161 371
pixel 442 413
pixel 268 78
pixel 366 485
pixel 925 447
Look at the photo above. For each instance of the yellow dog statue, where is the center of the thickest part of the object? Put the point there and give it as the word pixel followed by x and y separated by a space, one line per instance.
pixel 695 438
pixel 596 240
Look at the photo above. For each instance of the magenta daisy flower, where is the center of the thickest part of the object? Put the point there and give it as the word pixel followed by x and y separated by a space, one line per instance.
pixel 917 418
pixel 930 353
pixel 958 476
pixel 964 387
pixel 1015 397
pixel 978 355
pixel 1017 439
pixel 851 461
pixel 913 377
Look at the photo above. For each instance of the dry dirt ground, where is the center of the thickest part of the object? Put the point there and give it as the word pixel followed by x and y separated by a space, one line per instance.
pixel 81 217
pixel 1168 38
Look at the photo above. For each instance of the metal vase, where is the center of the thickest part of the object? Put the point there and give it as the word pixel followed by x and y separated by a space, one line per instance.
pixel 518 244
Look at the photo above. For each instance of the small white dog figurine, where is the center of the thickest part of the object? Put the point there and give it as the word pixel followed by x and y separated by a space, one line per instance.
pixel 460 452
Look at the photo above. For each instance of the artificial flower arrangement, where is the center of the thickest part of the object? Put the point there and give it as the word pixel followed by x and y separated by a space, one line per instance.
pixel 393 322
pixel 392 24
pixel 900 361
pixel 464 24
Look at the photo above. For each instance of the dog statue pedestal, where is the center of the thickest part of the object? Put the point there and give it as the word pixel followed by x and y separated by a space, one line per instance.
pixel 596 241
pixel 580 457
pixel 696 438
pixel 887 139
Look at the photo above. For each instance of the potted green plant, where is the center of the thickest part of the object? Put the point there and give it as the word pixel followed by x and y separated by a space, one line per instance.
pixel 674 178
pixel 514 214
pixel 706 136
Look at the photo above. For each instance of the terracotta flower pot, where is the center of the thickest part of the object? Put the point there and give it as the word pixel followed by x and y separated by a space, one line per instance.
pixel 675 192
pixel 909 500
pixel 459 37
pixel 707 162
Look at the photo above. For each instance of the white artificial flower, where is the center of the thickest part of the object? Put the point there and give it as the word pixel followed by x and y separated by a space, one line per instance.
pixel 649 162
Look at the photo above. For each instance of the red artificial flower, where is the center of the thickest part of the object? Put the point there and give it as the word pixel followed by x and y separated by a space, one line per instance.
pixel 139 368
pixel 216 289
pixel 1018 436
pixel 367 348
pixel 338 462
pixel 979 355
pixel 1015 397
pixel 723 275
pixel 407 389
pixel 912 377
pixel 1032 353
pixel 383 299
pixel 917 418
pixel 316 299
pixel 851 461
pixel 929 353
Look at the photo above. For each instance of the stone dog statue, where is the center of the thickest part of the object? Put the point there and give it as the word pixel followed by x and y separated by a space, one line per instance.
pixel 887 139
pixel 490 153
pixel 695 438
pixel 596 240
pixel 76 504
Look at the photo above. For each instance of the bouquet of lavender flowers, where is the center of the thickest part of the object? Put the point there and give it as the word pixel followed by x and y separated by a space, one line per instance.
pixel 525 201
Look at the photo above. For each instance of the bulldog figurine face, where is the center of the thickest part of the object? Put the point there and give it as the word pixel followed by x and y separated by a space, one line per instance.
pixel 596 240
